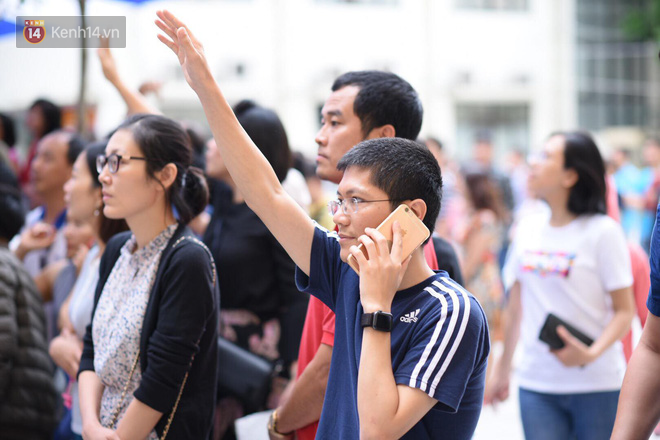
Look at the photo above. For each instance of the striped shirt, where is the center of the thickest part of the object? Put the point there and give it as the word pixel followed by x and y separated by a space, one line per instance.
pixel 439 345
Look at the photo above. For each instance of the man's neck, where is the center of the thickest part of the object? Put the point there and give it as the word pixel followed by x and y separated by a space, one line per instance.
pixel 418 270
pixel 53 205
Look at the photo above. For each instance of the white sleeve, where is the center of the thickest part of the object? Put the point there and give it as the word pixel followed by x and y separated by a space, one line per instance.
pixel 613 257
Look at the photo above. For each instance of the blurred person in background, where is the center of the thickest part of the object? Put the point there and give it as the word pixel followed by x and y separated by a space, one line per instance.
pixel 262 310
pixel 149 359
pixel 84 205
pixel 630 187
pixel 650 176
pixel 42 240
pixel 318 208
pixel 572 262
pixel 453 200
pixel 7 142
pixel 518 172
pixel 481 244
pixel 27 394
pixel 43 117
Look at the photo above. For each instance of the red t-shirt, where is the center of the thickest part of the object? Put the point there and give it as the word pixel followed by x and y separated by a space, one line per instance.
pixel 319 329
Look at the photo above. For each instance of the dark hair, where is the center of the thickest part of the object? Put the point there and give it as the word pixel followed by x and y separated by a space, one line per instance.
pixel 197 142
pixel 11 204
pixel 306 167
pixel 8 130
pixel 581 154
pixel 267 132
pixel 75 146
pixel 51 113
pixel 484 193
pixel 108 227
pixel 384 98
pixel 402 168
pixel 163 141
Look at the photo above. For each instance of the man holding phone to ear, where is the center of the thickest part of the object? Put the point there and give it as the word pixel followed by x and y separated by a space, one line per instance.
pixel 417 378
pixel 363 105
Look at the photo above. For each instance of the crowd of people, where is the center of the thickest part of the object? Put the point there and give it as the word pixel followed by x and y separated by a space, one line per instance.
pixel 136 270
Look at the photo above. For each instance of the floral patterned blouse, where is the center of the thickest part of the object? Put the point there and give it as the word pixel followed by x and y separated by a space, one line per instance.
pixel 118 320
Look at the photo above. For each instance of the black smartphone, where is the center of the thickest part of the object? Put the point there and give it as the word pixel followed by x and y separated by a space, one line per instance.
pixel 549 332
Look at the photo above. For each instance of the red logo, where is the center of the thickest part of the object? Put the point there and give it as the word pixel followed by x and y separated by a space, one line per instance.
pixel 34 31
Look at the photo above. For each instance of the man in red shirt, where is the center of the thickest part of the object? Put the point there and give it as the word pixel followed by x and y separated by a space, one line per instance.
pixel 363 105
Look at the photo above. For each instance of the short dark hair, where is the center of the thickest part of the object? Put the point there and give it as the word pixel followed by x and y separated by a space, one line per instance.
pixel 384 98
pixel 51 113
pixel 402 168
pixel 11 204
pixel 75 146
pixel 267 132
pixel 581 154
pixel 108 227
pixel 8 130
pixel 163 141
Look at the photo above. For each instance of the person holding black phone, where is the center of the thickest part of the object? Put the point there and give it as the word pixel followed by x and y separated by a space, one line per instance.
pixel 569 280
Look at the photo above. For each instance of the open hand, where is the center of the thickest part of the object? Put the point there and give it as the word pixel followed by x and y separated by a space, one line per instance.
pixel 381 274
pixel 186 47
pixel 575 353
pixel 107 62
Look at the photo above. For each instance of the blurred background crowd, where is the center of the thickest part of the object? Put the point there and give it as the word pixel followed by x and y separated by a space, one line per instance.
pixel 496 77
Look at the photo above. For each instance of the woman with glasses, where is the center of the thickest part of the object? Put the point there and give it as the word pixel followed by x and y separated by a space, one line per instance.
pixel 262 310
pixel 571 262
pixel 148 368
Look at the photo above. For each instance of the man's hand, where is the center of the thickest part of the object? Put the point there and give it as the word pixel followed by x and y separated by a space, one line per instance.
pixel 39 236
pixel 186 47
pixel 575 353
pixel 381 274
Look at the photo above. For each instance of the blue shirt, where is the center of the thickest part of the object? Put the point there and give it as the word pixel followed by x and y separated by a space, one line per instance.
pixel 653 301
pixel 439 345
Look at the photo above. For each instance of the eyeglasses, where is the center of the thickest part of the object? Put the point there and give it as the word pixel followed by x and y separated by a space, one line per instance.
pixel 113 162
pixel 536 157
pixel 350 206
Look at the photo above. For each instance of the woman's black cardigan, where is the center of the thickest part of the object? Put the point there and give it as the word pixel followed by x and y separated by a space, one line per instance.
pixel 180 321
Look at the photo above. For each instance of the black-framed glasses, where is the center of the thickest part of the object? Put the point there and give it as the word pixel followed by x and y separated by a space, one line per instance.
pixel 350 206
pixel 113 162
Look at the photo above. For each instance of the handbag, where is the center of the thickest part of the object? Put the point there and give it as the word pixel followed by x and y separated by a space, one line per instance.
pixel 243 375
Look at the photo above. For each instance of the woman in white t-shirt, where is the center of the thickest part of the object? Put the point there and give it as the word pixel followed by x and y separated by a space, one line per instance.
pixel 572 262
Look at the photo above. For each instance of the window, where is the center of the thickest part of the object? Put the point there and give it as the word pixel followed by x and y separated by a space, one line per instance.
pixel 507 125
pixel 494 5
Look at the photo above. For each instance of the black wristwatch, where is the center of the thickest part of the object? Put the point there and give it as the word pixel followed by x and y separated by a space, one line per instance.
pixel 381 321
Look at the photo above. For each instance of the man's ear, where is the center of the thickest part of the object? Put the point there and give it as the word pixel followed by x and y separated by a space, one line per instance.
pixel 384 131
pixel 167 175
pixel 418 206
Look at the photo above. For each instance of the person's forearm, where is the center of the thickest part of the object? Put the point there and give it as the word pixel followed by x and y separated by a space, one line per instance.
pixel 306 400
pixel 639 406
pixel 512 318
pixel 90 391
pixel 248 167
pixel 138 421
pixel 135 102
pixel 624 311
pixel 378 397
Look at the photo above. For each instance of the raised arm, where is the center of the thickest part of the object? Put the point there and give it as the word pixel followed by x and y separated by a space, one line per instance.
pixel 134 100
pixel 249 169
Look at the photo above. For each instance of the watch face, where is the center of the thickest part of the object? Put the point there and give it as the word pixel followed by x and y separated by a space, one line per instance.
pixel 382 321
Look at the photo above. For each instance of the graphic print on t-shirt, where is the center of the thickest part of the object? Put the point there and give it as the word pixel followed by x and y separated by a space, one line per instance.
pixel 546 263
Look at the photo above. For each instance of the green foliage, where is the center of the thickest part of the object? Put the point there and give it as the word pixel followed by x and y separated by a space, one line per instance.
pixel 643 23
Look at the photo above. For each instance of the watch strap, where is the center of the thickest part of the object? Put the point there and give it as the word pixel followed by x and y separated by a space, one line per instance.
pixel 381 321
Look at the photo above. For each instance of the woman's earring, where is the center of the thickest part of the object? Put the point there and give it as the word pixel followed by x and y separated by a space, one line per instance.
pixel 96 212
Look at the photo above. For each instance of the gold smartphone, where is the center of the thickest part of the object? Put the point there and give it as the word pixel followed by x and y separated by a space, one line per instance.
pixel 413 229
